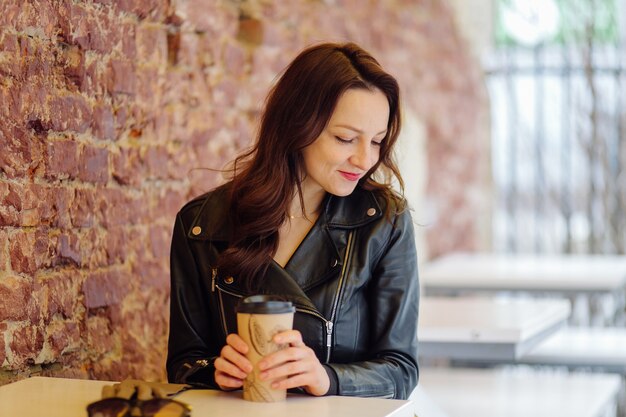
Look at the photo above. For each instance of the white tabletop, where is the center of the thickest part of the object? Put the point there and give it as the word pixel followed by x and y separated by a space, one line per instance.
pixel 486 328
pixel 598 348
pixel 539 273
pixel 56 397
pixel 519 392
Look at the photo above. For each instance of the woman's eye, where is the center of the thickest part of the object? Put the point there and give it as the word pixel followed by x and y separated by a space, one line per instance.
pixel 342 140
pixel 374 143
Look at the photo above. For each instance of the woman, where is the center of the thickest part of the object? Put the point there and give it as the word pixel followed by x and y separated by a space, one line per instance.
pixel 304 218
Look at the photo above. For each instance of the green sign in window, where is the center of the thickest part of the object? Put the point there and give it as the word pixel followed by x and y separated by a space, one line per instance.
pixel 534 22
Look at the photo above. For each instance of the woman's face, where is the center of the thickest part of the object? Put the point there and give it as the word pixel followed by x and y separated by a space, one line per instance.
pixel 349 145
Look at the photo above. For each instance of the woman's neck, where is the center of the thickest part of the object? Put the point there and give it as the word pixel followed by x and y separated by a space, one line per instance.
pixel 312 197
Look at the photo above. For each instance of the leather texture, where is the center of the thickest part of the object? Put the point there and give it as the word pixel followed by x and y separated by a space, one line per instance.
pixel 353 281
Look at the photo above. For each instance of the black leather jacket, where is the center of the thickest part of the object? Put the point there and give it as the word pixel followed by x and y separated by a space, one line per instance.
pixel 353 280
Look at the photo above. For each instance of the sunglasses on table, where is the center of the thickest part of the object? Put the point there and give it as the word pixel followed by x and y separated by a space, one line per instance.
pixel 123 407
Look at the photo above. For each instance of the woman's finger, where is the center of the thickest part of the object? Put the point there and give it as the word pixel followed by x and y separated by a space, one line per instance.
pixel 286 355
pixel 226 381
pixel 237 343
pixel 293 337
pixel 229 354
pixel 226 367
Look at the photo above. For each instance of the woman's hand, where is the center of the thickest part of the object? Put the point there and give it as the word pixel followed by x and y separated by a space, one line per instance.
pixel 297 363
pixel 232 367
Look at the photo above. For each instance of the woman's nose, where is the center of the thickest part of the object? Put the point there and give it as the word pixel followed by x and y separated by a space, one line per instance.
pixel 361 158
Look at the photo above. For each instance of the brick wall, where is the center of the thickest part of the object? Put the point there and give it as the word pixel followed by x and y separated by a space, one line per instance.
pixel 108 107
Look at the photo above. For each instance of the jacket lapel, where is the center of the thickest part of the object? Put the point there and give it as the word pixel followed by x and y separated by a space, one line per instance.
pixel 318 258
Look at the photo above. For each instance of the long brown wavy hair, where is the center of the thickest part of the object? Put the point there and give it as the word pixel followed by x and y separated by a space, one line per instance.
pixel 267 177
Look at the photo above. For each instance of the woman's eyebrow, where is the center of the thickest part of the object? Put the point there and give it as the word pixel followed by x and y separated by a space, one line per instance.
pixel 358 130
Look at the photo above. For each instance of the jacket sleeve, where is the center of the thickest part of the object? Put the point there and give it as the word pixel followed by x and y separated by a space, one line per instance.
pixel 191 349
pixel 392 369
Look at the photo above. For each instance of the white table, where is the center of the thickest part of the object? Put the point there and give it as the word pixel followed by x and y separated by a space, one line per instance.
pixel 470 328
pixel 596 284
pixel 601 349
pixel 56 397
pixel 533 273
pixel 519 392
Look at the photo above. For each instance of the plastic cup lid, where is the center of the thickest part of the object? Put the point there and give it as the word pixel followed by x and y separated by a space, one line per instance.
pixel 265 304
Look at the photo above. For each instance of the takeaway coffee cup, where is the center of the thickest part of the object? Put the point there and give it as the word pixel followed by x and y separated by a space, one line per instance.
pixel 259 319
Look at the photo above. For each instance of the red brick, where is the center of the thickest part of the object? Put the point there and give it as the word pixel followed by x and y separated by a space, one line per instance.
pixel 25 345
pixel 40 14
pixel 107 369
pixel 149 92
pixel 210 18
pixel 104 288
pixel 103 122
pixel 64 337
pixel 251 31
pixel 15 295
pixel 235 58
pixel 125 166
pixel 144 9
pixel 20 150
pixel 62 198
pixel 94 164
pixel 100 338
pixel 94 80
pixel 10 12
pixel 160 237
pixel 72 60
pixel 62 29
pixel 122 78
pixel 225 93
pixel 69 369
pixel 30 251
pixel 127 32
pixel 70 112
pixel 68 249
pixel 152 44
pixel 116 244
pixel 93 28
pixel 10 64
pixel 151 273
pixel 147 325
pixel 25 205
pixel 80 26
pixel 3 329
pixel 82 211
pixel 9 202
pixel 11 100
pixel 120 207
pixel 62 159
pixel 4 249
pixel 156 159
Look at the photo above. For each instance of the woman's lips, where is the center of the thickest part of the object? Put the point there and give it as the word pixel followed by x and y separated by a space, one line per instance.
pixel 350 176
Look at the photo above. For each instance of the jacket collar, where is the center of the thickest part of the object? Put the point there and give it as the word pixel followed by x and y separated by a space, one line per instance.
pixel 213 221
pixel 354 210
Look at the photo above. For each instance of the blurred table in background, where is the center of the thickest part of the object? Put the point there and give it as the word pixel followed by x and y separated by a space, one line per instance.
pixel 470 328
pixel 520 392
pixel 596 284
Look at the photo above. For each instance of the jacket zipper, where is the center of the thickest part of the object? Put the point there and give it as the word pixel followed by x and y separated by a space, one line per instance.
pixel 340 285
pixel 219 294
pixel 328 324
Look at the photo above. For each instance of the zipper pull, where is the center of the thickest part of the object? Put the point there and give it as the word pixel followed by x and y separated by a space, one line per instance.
pixel 329 333
pixel 213 275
